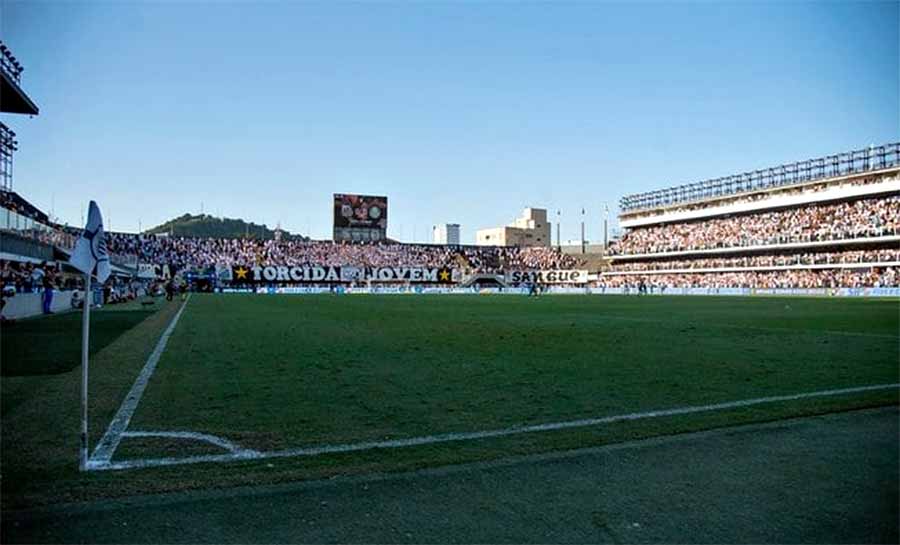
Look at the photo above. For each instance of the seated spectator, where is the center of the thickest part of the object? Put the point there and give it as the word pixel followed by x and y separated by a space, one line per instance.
pixel 869 217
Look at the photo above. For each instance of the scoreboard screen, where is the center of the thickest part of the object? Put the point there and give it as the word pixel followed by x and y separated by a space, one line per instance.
pixel 360 211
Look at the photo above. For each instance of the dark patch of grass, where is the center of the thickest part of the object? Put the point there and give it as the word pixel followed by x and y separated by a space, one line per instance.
pixel 52 345
pixel 40 431
pixel 166 446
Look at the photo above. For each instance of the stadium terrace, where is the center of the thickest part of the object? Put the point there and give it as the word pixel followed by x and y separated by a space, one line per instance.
pixel 828 223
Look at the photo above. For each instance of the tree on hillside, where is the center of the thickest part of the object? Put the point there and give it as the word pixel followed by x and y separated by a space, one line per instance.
pixel 205 225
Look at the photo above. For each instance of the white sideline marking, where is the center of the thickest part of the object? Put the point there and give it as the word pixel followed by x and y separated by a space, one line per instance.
pixel 234 448
pixel 113 436
pixel 448 437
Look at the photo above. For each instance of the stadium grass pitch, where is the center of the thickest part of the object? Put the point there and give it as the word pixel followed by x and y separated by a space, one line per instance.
pixel 282 372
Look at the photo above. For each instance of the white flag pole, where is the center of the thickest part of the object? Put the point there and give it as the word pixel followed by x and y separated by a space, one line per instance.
pixel 89 253
pixel 85 338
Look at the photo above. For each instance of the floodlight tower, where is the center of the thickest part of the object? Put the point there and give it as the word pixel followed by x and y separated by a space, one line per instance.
pixel 14 101
pixel 8 145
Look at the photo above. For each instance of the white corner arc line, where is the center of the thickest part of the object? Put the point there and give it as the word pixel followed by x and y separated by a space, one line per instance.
pixel 221 442
pixel 463 436
pixel 113 436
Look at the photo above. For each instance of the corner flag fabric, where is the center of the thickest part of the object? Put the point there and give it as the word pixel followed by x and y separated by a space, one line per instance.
pixel 90 250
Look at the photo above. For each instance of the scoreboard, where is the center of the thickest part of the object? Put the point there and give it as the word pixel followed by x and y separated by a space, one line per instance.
pixel 360 217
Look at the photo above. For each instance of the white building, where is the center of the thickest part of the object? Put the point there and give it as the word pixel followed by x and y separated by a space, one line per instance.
pixel 446 233
pixel 531 229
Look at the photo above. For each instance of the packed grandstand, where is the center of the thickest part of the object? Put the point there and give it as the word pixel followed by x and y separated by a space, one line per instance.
pixel 825 223
pixel 833 224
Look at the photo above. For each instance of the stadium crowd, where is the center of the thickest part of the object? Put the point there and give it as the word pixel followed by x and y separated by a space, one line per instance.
pixel 31 277
pixel 10 200
pixel 870 217
pixel 182 252
pixel 807 278
pixel 861 218
pixel 43 277
pixel 883 255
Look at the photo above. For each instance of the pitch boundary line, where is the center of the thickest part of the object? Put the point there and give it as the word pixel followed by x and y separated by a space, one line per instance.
pixel 108 444
pixel 244 454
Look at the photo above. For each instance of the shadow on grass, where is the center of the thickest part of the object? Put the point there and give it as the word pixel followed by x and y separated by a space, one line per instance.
pixel 52 345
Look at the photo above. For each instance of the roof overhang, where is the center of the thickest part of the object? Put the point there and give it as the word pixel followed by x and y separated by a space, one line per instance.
pixel 13 99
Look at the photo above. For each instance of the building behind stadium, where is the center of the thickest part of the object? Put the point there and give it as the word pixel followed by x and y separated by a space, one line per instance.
pixel 446 233
pixel 530 229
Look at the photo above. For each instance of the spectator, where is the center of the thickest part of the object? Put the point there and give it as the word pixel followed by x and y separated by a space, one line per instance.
pixel 37 277
pixel 870 217
pixel 803 278
pixel 47 295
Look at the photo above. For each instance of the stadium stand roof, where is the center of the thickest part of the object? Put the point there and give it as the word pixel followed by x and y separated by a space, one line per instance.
pixel 870 159
pixel 14 100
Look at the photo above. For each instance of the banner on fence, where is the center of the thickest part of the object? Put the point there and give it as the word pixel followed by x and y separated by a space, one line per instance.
pixel 547 277
pixel 321 274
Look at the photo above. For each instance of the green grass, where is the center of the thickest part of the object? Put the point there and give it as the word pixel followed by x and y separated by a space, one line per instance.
pixel 279 372
pixel 290 371
pixel 51 345
pixel 41 415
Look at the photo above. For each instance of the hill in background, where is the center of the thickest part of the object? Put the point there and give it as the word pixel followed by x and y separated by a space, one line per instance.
pixel 205 225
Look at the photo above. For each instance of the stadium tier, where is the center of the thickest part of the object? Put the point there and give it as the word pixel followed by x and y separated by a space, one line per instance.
pixel 837 230
pixel 825 223
pixel 179 253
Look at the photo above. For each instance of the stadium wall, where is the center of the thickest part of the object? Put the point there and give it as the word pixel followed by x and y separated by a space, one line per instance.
pixel 566 290
pixel 25 305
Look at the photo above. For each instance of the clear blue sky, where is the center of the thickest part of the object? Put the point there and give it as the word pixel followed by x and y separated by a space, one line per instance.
pixel 462 112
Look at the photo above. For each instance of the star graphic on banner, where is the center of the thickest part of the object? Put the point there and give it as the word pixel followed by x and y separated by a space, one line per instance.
pixel 241 273
pixel 444 275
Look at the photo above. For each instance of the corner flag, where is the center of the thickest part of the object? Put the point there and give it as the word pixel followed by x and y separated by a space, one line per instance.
pixel 90 250
pixel 90 253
